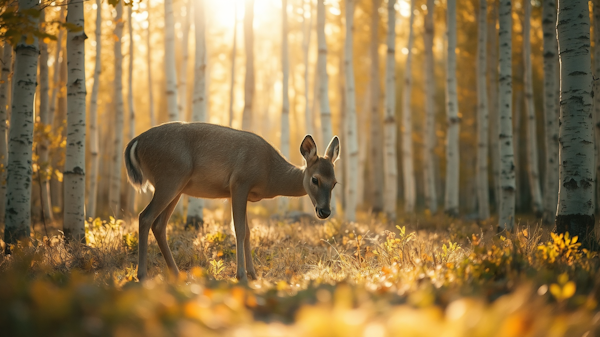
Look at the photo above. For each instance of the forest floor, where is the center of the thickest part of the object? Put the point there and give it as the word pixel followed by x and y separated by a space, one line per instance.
pixel 422 276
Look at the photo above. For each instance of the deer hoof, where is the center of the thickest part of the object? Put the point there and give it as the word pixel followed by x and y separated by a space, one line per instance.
pixel 242 278
pixel 252 274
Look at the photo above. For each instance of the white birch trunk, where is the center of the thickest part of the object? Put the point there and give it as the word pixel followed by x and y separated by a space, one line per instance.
pixel 74 171
pixel 233 55
pixel 452 146
pixel 306 34
pixel 44 167
pixel 57 67
pixel 195 214
pixel 20 138
pixel 170 70
pixel 575 211
pixel 376 141
pixel 324 107
pixel 390 161
pixel 551 108
pixel 94 146
pixel 5 92
pixel 351 131
pixel 117 158
pixel 506 214
pixel 59 125
pixel 183 67
pixel 429 130
pixel 596 10
pixel 131 192
pixel 532 148
pixel 249 81
pixel 149 69
pixel 482 116
pixel 407 145
pixel 285 106
pixel 493 102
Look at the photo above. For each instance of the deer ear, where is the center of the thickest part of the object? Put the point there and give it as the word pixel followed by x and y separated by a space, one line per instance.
pixel 333 150
pixel 308 149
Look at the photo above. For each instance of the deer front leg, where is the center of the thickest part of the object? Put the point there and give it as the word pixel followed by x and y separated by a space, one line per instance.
pixel 239 199
pixel 248 253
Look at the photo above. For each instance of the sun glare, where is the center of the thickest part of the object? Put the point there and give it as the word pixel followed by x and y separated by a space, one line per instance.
pixel 222 11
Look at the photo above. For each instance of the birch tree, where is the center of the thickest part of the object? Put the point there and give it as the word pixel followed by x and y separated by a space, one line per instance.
pixel 482 115
pixel 596 10
pixel 575 211
pixel 407 146
pixel 5 92
pixel 429 130
pixel 506 214
pixel 170 70
pixel 532 149
pixel 149 70
pixel 74 172
pixel 195 214
pixel 306 34
pixel 285 106
pixel 391 171
pixel 46 125
pixel 183 67
pixel 94 144
pixel 117 158
pixel 323 97
pixel 452 148
pixel 20 137
pixel 376 148
pixel 493 101
pixel 351 136
pixel 233 55
pixel 131 192
pixel 249 80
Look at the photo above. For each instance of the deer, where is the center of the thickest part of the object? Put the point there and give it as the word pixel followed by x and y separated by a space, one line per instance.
pixel 210 161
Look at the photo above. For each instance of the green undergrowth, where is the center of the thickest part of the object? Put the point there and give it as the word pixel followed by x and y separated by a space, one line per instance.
pixel 423 276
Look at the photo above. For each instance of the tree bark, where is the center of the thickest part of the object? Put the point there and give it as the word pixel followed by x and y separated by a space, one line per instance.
pixel 115 177
pixel 149 69
pixel 407 145
pixel 183 68
pixel 18 198
pixel 390 156
pixel 74 171
pixel 131 192
pixel 575 211
pixel 233 55
pixel 493 102
pixel 551 109
pixel 452 146
pixel 351 131
pixel 429 130
pixel 532 148
pixel 596 10
pixel 285 106
pixel 170 71
pixel 249 81
pixel 44 167
pixel 94 146
pixel 376 141
pixel 195 214
pixel 5 92
pixel 506 214
pixel 482 116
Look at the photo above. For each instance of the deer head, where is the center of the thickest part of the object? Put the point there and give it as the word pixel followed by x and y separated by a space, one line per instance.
pixel 319 175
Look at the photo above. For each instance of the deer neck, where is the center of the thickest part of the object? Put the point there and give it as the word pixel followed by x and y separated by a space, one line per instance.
pixel 287 179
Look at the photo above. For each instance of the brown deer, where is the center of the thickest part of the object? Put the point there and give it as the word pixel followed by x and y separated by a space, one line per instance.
pixel 210 161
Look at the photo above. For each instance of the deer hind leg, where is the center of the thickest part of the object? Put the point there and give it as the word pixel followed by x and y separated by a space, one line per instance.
pixel 161 200
pixel 248 253
pixel 239 199
pixel 159 228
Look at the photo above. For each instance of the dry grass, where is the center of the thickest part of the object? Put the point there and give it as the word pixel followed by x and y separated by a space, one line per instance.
pixel 364 278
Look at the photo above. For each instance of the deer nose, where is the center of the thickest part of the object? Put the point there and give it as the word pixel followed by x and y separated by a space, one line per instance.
pixel 323 213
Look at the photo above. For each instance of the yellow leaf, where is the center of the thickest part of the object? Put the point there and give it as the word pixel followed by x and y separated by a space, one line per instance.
pixel 563 278
pixel 568 290
pixel 556 291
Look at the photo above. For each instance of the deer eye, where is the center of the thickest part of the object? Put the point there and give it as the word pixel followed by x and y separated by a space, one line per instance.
pixel 315 181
